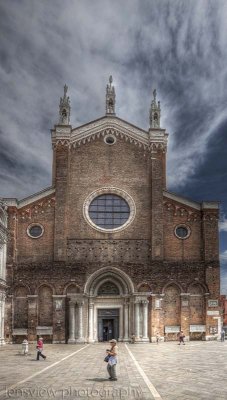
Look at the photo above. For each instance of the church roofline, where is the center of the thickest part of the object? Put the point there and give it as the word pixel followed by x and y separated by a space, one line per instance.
pixel 193 204
pixel 14 202
pixel 108 117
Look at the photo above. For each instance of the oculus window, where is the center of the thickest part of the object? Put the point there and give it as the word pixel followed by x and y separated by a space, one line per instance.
pixel 109 211
pixel 35 231
pixel 182 232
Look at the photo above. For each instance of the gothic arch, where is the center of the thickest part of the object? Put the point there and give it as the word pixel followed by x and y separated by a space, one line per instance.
pixel 201 286
pixel 171 283
pixel 109 273
pixel 19 287
pixel 45 284
pixel 144 285
pixel 72 287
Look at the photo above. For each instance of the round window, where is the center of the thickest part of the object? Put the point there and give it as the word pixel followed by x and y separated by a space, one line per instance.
pixel 109 209
pixel 182 232
pixel 109 139
pixel 35 231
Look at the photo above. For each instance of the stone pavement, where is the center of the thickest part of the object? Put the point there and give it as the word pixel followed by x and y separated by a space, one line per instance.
pixel 167 371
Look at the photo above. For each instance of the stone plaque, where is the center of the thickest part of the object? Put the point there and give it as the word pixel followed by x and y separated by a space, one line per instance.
pixel 172 329
pixel 212 312
pixel 197 328
pixel 212 303
pixel 184 303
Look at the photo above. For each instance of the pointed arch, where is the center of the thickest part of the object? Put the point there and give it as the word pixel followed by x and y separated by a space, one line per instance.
pixel 72 287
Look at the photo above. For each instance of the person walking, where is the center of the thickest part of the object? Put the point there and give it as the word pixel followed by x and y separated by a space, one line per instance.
pixel 222 335
pixel 39 348
pixel 111 366
pixel 181 337
pixel 157 337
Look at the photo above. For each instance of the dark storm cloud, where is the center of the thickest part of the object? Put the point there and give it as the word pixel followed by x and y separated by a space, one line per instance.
pixel 177 46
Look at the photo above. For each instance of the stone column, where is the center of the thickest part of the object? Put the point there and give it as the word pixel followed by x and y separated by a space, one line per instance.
pixel 91 322
pixel 121 327
pixel 126 310
pixel 137 320
pixel 2 310
pixel 71 322
pixel 145 321
pixel 80 322
pixel 59 318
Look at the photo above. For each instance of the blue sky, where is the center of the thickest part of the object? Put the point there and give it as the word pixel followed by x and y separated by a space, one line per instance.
pixel 177 47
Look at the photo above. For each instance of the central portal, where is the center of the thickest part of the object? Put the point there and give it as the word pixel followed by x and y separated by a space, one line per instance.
pixel 108 324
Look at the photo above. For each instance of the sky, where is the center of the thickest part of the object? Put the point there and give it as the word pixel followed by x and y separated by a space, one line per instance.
pixel 178 47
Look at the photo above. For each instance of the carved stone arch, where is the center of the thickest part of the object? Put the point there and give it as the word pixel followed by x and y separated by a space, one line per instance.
pixel 98 283
pixel 170 283
pixel 144 287
pixel 112 273
pixel 72 288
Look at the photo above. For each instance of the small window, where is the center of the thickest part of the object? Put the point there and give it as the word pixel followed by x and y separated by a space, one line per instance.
pixel 182 232
pixel 35 231
pixel 109 139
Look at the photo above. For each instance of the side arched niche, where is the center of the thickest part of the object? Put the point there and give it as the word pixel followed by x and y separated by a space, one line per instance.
pixel 21 307
pixel 172 309
pixel 45 306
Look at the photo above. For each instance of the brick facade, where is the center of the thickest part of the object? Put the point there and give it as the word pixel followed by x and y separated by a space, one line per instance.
pixel 53 280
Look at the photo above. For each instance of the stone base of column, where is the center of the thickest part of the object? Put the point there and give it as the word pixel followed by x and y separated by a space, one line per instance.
pixel 145 339
pixel 80 340
pixel 58 341
pixel 211 337
pixel 2 342
pixel 126 340
pixel 71 341
pixel 91 340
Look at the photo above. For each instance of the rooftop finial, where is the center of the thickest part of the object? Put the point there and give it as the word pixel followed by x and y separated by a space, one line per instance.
pixel 64 108
pixel 110 98
pixel 65 90
pixel 155 112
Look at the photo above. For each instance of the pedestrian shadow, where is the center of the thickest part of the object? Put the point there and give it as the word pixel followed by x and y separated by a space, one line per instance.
pixel 98 379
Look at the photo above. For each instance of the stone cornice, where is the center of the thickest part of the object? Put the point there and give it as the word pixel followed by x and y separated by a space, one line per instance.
pixel 152 141
pixel 12 202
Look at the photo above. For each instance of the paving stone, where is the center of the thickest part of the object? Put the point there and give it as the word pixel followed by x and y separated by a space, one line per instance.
pixel 195 372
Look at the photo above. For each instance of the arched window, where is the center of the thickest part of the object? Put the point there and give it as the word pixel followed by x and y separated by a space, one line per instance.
pixel 171 305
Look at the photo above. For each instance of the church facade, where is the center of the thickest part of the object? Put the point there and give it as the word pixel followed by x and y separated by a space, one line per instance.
pixel 107 251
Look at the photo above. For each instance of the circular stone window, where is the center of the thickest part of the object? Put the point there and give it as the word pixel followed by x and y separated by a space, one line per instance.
pixel 109 210
pixel 109 139
pixel 35 231
pixel 182 232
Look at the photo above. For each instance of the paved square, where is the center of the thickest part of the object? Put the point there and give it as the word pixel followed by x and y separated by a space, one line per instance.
pixel 167 371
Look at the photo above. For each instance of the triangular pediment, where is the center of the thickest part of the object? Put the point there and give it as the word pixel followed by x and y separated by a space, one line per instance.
pixel 109 125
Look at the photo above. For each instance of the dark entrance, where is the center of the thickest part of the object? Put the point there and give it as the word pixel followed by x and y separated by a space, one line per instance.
pixel 108 324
